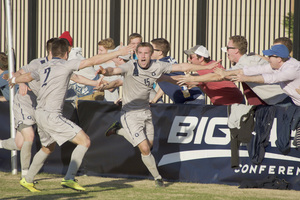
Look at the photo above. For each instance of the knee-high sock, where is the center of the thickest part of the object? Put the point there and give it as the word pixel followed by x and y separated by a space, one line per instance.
pixel 76 159
pixel 25 157
pixel 9 144
pixel 149 161
pixel 126 135
pixel 37 163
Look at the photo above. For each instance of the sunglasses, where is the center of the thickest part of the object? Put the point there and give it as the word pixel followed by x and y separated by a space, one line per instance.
pixel 191 57
pixel 156 50
pixel 230 48
pixel 273 56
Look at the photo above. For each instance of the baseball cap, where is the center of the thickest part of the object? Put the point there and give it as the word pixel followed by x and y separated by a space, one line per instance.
pixel 191 50
pixel 202 51
pixel 66 35
pixel 199 50
pixel 278 50
pixel 126 57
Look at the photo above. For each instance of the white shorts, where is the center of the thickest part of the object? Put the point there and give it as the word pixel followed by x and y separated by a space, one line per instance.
pixel 53 127
pixel 138 124
pixel 24 108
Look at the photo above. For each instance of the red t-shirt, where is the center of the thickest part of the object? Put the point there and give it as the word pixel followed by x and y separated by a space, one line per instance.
pixel 222 92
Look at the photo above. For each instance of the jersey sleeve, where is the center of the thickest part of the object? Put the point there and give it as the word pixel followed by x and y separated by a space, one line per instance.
pixel 167 67
pixel 35 75
pixel 73 65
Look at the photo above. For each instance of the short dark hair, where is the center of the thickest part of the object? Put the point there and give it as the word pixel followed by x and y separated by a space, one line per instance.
pixel 207 60
pixel 162 44
pixel 49 44
pixel 286 42
pixel 60 47
pixel 144 44
pixel 3 61
pixel 240 43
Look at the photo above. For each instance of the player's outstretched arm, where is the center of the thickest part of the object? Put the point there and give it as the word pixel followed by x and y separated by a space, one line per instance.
pixel 83 80
pixel 109 71
pixel 24 78
pixel 101 58
pixel 109 85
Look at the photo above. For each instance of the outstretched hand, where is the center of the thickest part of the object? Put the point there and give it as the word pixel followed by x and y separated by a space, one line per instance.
pixel 220 71
pixel 101 70
pixel 214 64
pixel 5 76
pixel 239 78
pixel 184 80
pixel 125 50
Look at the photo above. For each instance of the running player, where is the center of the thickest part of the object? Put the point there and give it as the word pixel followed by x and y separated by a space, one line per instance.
pixel 139 77
pixel 54 78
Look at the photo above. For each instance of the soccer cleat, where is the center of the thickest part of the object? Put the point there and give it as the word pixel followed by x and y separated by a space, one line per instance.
pixel 72 184
pixel 113 129
pixel 159 183
pixel 28 186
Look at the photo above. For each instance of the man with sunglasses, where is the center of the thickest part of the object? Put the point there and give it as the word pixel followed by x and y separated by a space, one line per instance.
pixel 256 93
pixel 281 69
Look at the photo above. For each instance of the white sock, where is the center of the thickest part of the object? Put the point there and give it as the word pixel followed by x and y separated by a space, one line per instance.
pixel 37 163
pixel 1 144
pixel 150 163
pixel 9 144
pixel 75 162
pixel 25 157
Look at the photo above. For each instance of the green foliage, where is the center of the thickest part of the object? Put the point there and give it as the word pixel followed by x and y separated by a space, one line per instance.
pixel 289 24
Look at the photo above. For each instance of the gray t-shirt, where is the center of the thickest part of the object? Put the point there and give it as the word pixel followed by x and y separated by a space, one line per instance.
pixel 138 83
pixel 269 93
pixel 54 79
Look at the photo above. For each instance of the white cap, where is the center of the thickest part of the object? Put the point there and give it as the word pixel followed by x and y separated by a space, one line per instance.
pixel 126 57
pixel 202 51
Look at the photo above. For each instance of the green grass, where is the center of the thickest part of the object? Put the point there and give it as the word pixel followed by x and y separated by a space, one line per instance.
pixel 120 188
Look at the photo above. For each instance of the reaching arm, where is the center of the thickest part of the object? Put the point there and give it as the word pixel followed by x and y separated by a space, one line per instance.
pixel 228 73
pixel 185 67
pixel 85 81
pixel 110 71
pixel 109 85
pixel 190 79
pixel 243 78
pixel 101 58
pixel 24 78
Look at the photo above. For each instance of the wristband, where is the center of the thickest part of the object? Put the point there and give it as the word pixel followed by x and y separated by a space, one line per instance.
pixel 13 80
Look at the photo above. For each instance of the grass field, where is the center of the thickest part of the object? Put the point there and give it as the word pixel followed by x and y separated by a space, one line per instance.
pixel 120 188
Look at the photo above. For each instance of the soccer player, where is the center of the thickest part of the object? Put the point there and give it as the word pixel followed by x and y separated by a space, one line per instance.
pixel 54 77
pixel 136 118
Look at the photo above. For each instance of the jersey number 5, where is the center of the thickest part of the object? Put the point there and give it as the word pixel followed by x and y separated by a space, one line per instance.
pixel 147 82
pixel 47 71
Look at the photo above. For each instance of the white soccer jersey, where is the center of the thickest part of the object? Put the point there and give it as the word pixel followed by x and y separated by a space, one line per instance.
pixel 138 83
pixel 54 79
